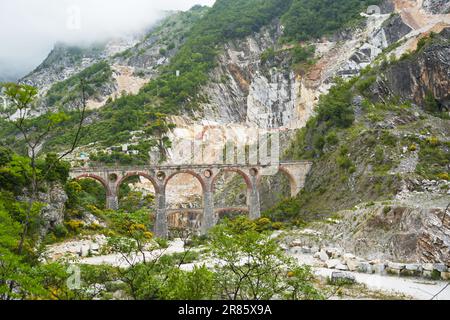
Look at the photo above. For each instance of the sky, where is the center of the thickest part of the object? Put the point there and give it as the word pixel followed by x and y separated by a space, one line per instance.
pixel 30 28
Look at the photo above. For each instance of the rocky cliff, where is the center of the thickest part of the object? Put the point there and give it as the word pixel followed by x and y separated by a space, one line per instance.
pixel 390 233
pixel 437 6
pixel 52 214
pixel 132 60
pixel 65 61
pixel 424 72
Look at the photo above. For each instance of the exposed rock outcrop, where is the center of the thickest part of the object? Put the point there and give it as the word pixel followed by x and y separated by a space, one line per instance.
pixel 397 233
pixel 244 90
pixel 65 61
pixel 433 244
pixel 427 71
pixel 52 214
pixel 437 6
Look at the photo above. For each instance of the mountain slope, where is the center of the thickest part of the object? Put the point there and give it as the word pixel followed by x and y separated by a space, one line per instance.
pixel 237 66
pixel 365 97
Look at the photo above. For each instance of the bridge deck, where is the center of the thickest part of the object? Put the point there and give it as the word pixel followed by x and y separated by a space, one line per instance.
pixel 200 210
pixel 182 166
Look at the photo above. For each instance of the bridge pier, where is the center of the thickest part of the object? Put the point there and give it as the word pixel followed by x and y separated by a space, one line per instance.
pixel 209 218
pixel 112 202
pixel 253 199
pixel 161 229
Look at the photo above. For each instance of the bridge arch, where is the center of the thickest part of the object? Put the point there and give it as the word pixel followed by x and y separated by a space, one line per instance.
pixel 97 178
pixel 243 174
pixel 188 172
pixel 291 178
pixel 139 174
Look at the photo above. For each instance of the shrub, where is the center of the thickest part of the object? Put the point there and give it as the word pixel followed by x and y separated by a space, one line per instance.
pixel 335 108
pixel 277 226
pixel 340 282
pixel 268 55
pixel 379 154
pixel 443 176
pixel 162 243
pixel 345 163
pixel 413 147
pixel 433 141
pixel 60 231
pixel 301 54
pixel 364 84
pixel 162 51
pixel 74 225
pixel 332 138
pixel 306 20
pixel 430 103
pixel 263 224
pixel 265 273
pixel 388 139
pixel 171 46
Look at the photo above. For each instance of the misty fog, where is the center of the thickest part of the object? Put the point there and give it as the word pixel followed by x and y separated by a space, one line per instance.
pixel 30 28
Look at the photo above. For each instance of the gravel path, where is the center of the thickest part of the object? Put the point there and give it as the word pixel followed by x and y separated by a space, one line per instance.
pixel 419 289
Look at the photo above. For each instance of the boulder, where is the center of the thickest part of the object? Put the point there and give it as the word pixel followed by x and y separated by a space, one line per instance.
pixel 342 278
pixel 365 267
pixel 120 295
pixel 413 267
pixel 393 271
pixel 352 265
pixel 323 255
pixel 295 250
pixel 348 256
pixel 395 266
pixel 306 250
pixel 320 264
pixel 440 267
pixel 314 249
pixel 52 215
pixel 411 270
pixel 296 243
pixel 342 267
pixel 83 251
pixel 332 263
pixel 445 276
pixel 428 266
pixel 334 253
pixel 379 268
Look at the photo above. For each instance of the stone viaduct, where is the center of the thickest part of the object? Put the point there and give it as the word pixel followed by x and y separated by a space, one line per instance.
pixel 112 177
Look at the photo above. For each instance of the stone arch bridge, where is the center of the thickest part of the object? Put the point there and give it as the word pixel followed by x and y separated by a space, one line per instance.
pixel 112 177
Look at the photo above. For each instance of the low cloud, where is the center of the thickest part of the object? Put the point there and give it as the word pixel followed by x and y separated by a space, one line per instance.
pixel 30 28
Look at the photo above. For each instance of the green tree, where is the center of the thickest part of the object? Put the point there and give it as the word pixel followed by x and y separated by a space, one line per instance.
pixel 23 177
pixel 306 19
pixel 199 284
pixel 21 106
pixel 253 266
pixel 158 127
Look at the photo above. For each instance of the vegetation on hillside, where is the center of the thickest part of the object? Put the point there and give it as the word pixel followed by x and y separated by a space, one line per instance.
pixel 306 20
pixel 356 151
pixel 194 59
pixel 65 93
pixel 269 273
pixel 226 20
